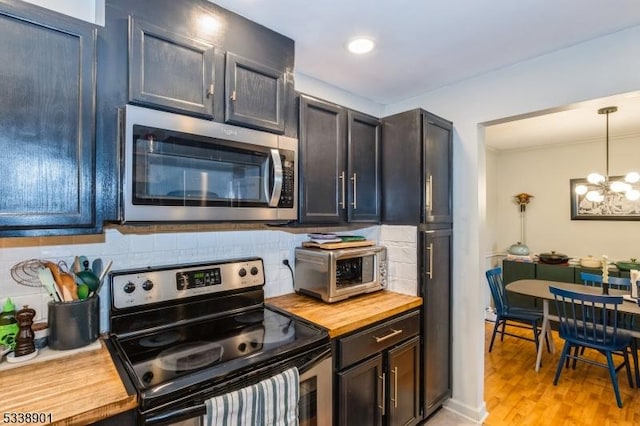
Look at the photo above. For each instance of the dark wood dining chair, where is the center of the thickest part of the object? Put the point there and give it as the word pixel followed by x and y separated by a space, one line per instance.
pixel 506 315
pixel 591 321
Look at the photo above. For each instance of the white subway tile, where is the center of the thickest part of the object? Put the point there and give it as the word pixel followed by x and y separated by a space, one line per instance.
pixel 409 287
pixel 165 241
pixel 34 301
pixel 401 254
pixel 115 244
pixel 398 233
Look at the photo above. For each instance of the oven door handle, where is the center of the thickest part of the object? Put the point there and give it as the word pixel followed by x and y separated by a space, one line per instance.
pixel 277 178
pixel 172 416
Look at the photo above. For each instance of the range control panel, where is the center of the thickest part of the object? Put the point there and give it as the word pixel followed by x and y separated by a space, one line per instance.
pixel 137 287
pixel 199 278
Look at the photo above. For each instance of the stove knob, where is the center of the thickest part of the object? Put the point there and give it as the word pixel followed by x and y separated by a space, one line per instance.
pixel 254 271
pixel 242 272
pixel 147 377
pixel 147 285
pixel 129 287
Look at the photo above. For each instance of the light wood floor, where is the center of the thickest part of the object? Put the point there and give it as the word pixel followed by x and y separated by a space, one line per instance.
pixel 516 395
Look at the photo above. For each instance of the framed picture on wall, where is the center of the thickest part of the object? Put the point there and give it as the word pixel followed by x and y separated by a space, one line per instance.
pixel 614 205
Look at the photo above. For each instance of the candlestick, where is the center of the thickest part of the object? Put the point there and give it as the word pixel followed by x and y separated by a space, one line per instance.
pixel 605 274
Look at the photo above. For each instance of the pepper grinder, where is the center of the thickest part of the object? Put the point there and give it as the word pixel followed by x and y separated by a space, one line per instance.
pixel 25 337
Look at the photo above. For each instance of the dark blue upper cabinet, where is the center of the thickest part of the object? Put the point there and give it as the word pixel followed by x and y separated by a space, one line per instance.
pixel 340 164
pixel 47 123
pixel 323 196
pixel 364 181
pixel 170 71
pixel 254 94
pixel 417 169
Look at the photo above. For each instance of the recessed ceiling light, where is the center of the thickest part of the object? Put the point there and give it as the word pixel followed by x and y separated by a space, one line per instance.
pixel 360 45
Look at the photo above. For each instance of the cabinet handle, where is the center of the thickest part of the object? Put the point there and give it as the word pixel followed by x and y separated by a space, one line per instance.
pixel 355 194
pixel 342 185
pixel 233 96
pixel 428 193
pixel 394 399
pixel 430 271
pixel 210 91
pixel 388 336
pixel 381 406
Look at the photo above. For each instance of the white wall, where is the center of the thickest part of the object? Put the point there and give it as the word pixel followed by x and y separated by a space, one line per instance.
pixel 545 173
pixel 322 90
pixel 87 10
pixel 602 67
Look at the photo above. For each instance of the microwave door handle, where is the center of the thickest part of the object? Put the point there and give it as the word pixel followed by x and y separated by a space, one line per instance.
pixel 277 178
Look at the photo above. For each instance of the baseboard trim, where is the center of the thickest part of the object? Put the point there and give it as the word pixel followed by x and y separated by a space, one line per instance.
pixel 476 415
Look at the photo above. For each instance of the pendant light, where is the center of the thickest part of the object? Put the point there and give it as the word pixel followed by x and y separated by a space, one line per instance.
pixel 600 189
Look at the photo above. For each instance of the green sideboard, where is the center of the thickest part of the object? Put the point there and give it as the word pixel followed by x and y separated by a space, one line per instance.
pixel 513 270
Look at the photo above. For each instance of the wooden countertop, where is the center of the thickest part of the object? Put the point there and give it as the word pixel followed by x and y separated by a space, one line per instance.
pixel 86 387
pixel 76 390
pixel 347 315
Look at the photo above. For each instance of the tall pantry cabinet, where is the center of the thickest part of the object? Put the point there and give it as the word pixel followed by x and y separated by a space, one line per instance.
pixel 417 188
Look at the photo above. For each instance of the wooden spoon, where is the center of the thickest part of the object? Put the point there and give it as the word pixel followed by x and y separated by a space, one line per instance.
pixel 69 287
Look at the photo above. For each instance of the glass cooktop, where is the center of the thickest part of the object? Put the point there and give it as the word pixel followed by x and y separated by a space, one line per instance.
pixel 184 355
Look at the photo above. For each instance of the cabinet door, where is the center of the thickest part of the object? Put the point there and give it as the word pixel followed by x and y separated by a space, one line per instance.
pixel 402 168
pixel 436 332
pixel 513 271
pixel 563 273
pixel 404 383
pixel 47 122
pixel 364 167
pixel 322 158
pixel 169 71
pixel 361 394
pixel 437 177
pixel 254 94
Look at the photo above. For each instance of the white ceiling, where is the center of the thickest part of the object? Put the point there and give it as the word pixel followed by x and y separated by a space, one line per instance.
pixel 572 124
pixel 422 45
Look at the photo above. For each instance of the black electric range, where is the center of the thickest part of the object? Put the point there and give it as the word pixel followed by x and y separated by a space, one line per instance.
pixel 185 333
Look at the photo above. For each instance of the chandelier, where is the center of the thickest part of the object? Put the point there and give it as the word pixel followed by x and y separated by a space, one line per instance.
pixel 603 190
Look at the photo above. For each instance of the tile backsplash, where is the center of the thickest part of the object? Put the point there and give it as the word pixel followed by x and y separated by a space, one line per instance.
pixel 136 250
pixel 401 243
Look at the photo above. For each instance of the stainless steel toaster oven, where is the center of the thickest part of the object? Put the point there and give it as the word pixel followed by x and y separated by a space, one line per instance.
pixel 334 275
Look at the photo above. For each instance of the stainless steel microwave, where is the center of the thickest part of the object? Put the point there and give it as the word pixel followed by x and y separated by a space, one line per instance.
pixel 177 168
pixel 333 275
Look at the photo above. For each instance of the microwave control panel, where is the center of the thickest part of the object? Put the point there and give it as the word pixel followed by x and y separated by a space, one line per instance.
pixel 288 179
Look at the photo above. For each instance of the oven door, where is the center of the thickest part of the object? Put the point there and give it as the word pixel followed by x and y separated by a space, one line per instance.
pixel 202 170
pixel 316 395
pixel 315 406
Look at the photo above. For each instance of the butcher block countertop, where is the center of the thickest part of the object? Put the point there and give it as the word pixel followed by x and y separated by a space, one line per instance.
pixel 74 390
pixel 348 315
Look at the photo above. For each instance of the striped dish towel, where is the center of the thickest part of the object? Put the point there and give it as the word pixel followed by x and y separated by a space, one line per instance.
pixel 272 402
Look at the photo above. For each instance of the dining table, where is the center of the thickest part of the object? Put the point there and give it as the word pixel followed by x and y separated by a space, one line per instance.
pixel 540 289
